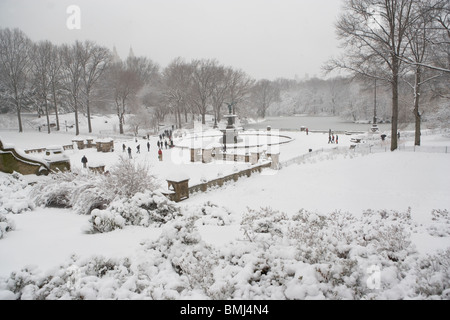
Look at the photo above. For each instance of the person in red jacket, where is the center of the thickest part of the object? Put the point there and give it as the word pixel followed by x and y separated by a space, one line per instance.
pixel 160 154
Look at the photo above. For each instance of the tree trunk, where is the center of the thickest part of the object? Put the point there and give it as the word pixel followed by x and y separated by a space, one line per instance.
pixel 18 107
pixel 47 116
pixel 77 128
pixel 179 118
pixel 120 126
pixel 88 109
pixel 416 112
pixel 56 109
pixel 394 124
pixel 19 118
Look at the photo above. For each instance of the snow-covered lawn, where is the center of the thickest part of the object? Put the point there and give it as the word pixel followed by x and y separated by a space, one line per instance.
pixel 309 230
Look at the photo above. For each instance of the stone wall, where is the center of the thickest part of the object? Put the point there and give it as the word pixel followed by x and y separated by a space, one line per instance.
pixel 11 160
pixel 202 187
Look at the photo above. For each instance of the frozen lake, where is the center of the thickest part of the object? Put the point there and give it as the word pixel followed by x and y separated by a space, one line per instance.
pixel 316 123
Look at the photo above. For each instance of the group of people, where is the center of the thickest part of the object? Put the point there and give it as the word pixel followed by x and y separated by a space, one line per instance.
pixel 165 140
pixel 332 138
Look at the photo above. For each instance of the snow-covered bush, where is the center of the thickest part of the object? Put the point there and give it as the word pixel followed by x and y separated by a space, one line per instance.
pixel 274 263
pixel 256 223
pixel 386 233
pixel 75 189
pixel 440 226
pixel 143 209
pixel 433 276
pixel 14 194
pixel 211 214
pixel 105 221
pixel 128 177
pixel 78 279
pixel 5 225
pixel 86 191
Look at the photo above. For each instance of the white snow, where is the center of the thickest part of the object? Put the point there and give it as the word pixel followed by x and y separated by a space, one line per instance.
pixel 346 182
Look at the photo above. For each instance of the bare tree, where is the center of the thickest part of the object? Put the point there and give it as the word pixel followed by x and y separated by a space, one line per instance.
pixel 373 33
pixel 204 77
pixel 72 74
pixel 437 17
pixel 239 87
pixel 55 77
pixel 264 93
pixel 420 37
pixel 94 60
pixel 15 67
pixel 41 61
pixel 124 84
pixel 176 83
pixel 220 90
pixel 125 80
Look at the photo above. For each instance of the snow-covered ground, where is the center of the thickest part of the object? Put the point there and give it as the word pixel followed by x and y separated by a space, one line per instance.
pixel 395 185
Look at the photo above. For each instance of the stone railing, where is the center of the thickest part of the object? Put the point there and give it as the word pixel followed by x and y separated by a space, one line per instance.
pixel 12 160
pixel 219 182
pixel 180 190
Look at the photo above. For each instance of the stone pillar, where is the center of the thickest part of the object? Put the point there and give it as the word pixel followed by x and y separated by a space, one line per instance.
pixel 180 187
pixel 254 157
pixel 207 155
pixel 90 143
pixel 275 160
pixel 79 143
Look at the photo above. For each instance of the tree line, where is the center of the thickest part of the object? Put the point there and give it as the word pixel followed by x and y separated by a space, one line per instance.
pixel 397 53
pixel 49 79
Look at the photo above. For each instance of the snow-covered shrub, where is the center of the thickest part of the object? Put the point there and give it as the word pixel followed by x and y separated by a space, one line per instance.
pixel 147 208
pixel 440 226
pixel 86 191
pixel 212 214
pixel 143 209
pixel 94 278
pixel 275 264
pixel 181 252
pixel 385 232
pixel 128 177
pixel 105 221
pixel 263 221
pixel 14 194
pixel 5 225
pixel 433 276
pixel 75 189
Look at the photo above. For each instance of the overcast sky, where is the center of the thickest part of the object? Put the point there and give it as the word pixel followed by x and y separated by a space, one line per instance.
pixel 265 38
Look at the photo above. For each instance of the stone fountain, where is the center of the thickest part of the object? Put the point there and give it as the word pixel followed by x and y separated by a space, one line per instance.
pixel 230 133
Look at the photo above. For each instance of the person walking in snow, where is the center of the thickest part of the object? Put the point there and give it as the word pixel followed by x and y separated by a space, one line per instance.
pixel 123 147
pixel 337 142
pixel 160 155
pixel 84 160
pixel 165 143
pixel 138 148
pixel 129 152
pixel 159 145
pixel 148 146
